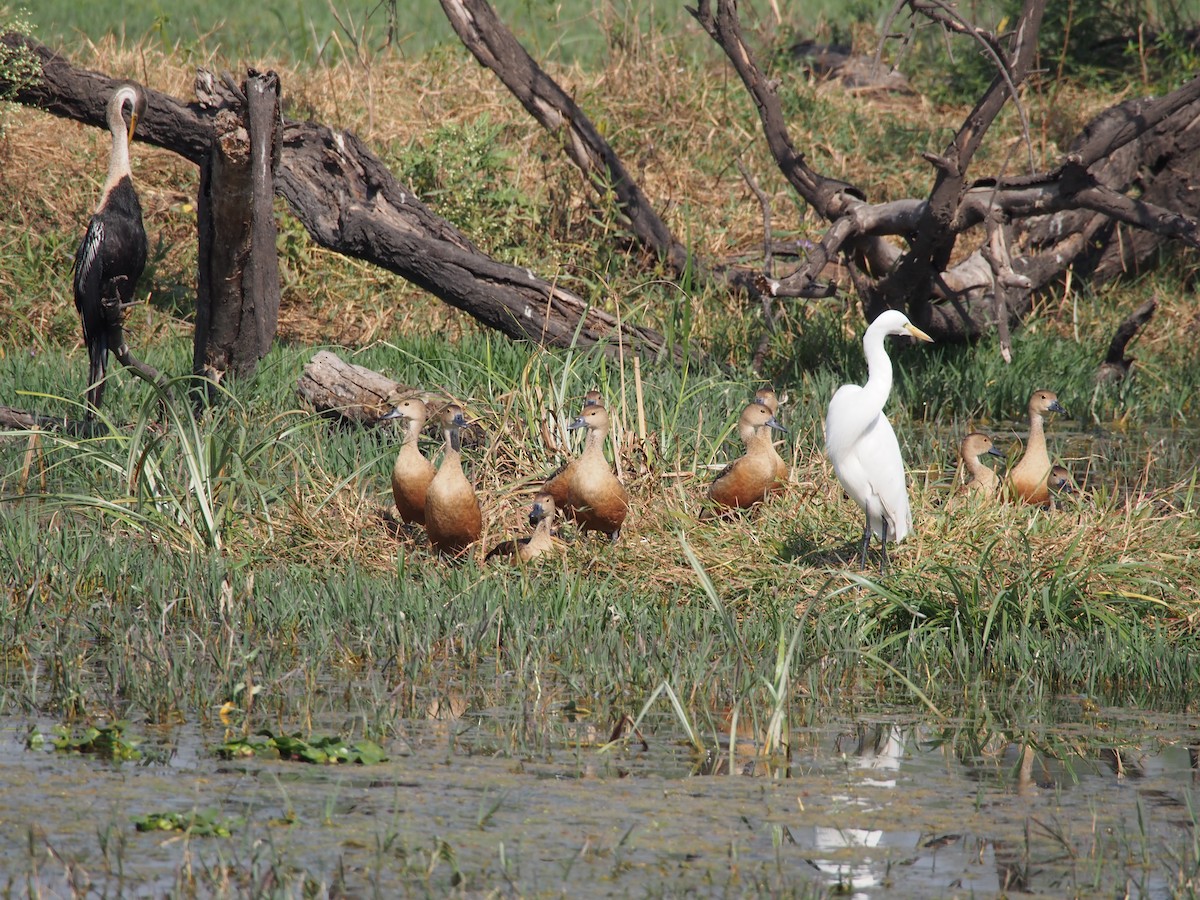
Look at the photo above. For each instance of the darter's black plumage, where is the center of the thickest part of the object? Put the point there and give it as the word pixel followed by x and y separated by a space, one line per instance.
pixel 111 256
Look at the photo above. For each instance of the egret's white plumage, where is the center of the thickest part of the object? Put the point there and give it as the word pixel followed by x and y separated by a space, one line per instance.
pixel 861 444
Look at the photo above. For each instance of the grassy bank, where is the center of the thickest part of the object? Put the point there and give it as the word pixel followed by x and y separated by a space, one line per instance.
pixel 159 572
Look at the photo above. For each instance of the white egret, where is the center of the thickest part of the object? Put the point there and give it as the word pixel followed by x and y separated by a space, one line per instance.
pixel 862 446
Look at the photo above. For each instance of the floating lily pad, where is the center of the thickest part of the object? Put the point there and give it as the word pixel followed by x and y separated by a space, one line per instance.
pixel 328 750
pixel 105 741
pixel 201 823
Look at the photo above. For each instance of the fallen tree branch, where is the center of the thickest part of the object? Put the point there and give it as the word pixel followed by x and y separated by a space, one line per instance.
pixel 1129 167
pixel 351 203
pixel 346 391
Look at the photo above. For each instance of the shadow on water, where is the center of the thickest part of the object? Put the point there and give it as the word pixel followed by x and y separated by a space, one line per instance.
pixel 881 805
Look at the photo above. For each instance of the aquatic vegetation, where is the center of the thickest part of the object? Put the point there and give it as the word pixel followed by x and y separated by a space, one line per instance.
pixel 320 750
pixel 198 823
pixel 104 741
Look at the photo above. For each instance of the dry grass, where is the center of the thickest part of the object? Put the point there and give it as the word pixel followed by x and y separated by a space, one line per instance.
pixel 680 129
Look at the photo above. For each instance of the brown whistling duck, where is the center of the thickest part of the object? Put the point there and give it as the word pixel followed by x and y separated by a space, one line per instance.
pixel 452 515
pixel 1028 479
pixel 594 494
pixel 556 484
pixel 1060 479
pixel 541 520
pixel 766 396
pixel 748 479
pixel 412 472
pixel 979 480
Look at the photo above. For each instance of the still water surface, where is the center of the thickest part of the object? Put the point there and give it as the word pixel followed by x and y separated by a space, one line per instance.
pixel 885 805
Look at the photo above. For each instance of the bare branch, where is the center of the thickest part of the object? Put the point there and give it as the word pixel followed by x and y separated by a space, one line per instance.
pixel 495 47
pixel 351 203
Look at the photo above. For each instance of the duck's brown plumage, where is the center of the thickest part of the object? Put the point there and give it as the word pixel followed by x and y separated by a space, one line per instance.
pixel 595 495
pixel 558 482
pixel 767 397
pixel 541 519
pixel 1027 480
pixel 453 518
pixel 978 479
pixel 748 479
pixel 412 472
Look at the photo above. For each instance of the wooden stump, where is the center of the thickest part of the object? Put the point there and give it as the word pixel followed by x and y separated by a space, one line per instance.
pixel 237 302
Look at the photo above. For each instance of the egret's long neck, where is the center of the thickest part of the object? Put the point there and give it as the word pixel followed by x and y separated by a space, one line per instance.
pixel 879 372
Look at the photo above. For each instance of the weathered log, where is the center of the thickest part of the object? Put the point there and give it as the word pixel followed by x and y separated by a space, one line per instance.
pixel 19 419
pixel 347 391
pixel 351 203
pixel 237 299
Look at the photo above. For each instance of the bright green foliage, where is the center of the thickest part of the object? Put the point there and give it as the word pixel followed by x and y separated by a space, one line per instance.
pixel 198 823
pixel 105 741
pixel 462 171
pixel 320 750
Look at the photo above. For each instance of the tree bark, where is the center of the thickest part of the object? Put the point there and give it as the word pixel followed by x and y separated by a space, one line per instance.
pixel 237 299
pixel 1131 169
pixel 350 203
pixel 347 391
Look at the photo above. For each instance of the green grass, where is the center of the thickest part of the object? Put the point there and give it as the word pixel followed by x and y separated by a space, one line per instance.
pixel 308 29
pixel 272 519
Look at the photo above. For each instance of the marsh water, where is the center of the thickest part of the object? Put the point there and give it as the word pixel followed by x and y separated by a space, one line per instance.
pixel 889 804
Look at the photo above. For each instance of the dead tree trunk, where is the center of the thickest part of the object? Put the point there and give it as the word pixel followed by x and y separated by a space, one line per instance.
pixel 1063 211
pixel 350 203
pixel 237 298
pixel 993 285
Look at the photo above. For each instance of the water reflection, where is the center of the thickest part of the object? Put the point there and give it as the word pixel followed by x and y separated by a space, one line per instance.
pixel 875 758
pixel 1060 817
pixel 873 807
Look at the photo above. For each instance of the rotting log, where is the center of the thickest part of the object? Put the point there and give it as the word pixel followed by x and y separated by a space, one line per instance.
pixel 343 390
pixel 237 297
pixel 351 203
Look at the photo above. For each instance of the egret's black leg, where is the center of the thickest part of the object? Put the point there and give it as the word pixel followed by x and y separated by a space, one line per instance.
pixel 866 543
